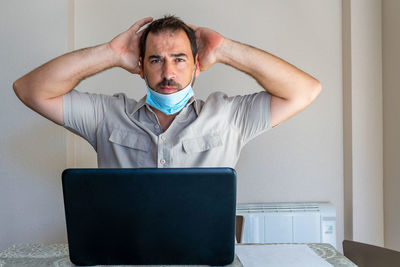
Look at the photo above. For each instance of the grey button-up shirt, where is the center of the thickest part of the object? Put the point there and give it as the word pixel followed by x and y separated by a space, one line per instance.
pixel 127 134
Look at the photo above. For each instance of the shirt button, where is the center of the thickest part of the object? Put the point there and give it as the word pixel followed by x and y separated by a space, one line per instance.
pixel 162 161
pixel 156 126
pixel 163 138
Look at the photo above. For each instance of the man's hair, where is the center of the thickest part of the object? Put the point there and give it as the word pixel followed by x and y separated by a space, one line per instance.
pixel 166 24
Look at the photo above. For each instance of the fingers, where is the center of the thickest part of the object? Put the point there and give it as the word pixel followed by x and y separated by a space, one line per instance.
pixel 140 23
pixel 139 33
pixel 192 26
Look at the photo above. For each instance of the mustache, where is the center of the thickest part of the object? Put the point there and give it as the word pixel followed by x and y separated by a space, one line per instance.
pixel 169 82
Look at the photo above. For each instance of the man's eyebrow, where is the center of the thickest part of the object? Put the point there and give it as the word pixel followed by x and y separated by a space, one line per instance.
pixel 179 55
pixel 172 55
pixel 154 57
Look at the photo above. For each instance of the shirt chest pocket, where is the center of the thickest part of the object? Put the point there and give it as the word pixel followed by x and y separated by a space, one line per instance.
pixel 201 144
pixel 130 139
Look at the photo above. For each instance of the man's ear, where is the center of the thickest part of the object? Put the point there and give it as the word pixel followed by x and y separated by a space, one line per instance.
pixel 197 66
pixel 141 67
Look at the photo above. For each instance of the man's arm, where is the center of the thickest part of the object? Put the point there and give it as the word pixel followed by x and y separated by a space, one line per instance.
pixel 291 89
pixel 42 89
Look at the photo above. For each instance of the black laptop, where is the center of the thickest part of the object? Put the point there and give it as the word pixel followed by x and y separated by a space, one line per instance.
pixel 177 216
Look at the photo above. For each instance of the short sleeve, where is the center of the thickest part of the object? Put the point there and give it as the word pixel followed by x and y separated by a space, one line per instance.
pixel 250 114
pixel 83 112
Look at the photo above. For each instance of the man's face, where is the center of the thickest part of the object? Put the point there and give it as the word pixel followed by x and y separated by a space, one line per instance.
pixel 168 63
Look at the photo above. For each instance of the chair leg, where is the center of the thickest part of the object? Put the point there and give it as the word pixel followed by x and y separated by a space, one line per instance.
pixel 239 228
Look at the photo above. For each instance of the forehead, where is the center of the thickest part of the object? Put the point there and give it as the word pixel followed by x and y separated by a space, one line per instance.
pixel 168 42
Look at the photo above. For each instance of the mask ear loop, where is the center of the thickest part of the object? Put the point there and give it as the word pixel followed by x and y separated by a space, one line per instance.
pixel 145 80
pixel 191 80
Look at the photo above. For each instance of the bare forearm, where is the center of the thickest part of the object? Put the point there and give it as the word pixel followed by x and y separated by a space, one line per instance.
pixel 60 75
pixel 275 75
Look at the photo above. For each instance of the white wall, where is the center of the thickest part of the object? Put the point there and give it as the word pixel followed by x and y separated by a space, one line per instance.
pixel 391 125
pixel 367 122
pixel 300 160
pixel 363 121
pixel 32 149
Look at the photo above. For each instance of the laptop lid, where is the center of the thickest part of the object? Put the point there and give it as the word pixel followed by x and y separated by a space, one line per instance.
pixel 150 216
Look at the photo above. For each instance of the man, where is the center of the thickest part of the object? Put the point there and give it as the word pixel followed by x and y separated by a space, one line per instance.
pixel 169 127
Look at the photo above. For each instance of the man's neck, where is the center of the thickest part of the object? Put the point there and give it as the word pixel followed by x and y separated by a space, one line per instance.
pixel 164 119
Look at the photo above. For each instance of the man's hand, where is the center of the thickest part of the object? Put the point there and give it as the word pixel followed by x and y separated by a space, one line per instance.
pixel 209 44
pixel 126 46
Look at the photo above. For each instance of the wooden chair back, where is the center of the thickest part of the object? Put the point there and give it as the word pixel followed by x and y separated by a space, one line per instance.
pixel 365 255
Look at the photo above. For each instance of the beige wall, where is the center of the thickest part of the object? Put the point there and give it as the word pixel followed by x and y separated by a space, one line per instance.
pixel 362 46
pixel 391 121
pixel 371 145
pixel 298 161
pixel 301 160
pixel 32 149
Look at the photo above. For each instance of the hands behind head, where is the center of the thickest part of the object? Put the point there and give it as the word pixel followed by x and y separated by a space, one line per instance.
pixel 126 46
pixel 209 45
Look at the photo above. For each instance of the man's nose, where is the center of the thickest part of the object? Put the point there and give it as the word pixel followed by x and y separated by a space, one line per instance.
pixel 168 71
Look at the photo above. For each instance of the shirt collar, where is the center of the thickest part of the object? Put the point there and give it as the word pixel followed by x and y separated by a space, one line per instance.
pixel 138 105
pixel 196 104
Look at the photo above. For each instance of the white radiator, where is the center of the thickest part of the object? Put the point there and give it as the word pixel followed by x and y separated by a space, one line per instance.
pixel 288 223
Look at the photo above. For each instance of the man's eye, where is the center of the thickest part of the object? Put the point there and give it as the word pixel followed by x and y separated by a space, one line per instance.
pixel 180 60
pixel 155 61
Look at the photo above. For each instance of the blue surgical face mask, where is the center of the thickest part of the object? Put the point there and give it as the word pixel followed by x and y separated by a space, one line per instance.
pixel 170 103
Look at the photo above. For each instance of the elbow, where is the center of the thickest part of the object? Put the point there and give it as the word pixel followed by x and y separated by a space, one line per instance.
pixel 19 91
pixel 16 88
pixel 309 95
pixel 315 90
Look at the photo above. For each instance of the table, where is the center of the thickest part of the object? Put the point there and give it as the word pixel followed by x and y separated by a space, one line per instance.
pixel 57 255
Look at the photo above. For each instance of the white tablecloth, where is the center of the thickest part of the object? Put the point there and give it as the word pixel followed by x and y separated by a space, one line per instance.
pixel 247 255
pixel 286 255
